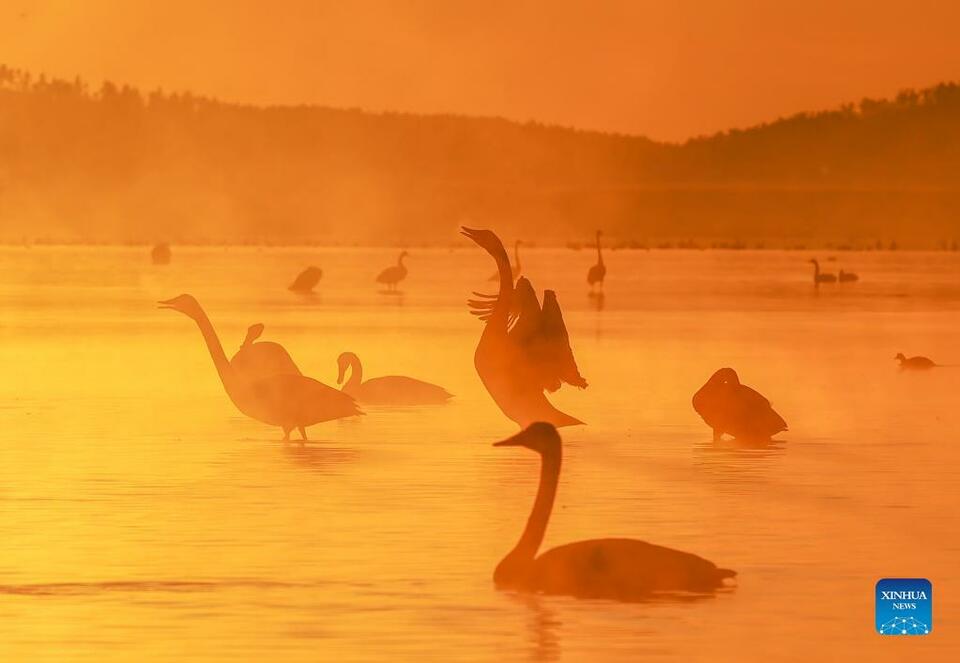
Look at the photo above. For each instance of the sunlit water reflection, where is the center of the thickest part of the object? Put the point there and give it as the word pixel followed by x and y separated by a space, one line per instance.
pixel 143 517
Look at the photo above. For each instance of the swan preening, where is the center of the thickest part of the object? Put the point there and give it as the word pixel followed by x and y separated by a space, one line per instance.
pixel 598 272
pixel 735 409
pixel 288 400
pixel 915 363
pixel 256 360
pixel 516 269
pixel 391 276
pixel 306 280
pixel 389 389
pixel 524 348
pixel 618 569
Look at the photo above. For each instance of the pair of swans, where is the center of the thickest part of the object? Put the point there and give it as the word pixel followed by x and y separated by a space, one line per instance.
pixel 617 569
pixel 826 277
pixel 735 409
pixel 524 348
pixel 264 382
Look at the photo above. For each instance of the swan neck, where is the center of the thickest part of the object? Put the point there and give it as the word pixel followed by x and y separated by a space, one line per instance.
pixel 219 357
pixel 599 255
pixel 532 537
pixel 356 374
pixel 501 310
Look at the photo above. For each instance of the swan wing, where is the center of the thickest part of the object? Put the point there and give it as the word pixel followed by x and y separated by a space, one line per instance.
pixel 553 345
pixel 256 361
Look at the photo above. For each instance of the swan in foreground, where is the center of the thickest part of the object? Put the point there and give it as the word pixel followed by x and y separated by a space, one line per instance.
pixel 599 271
pixel 821 277
pixel 847 277
pixel 256 360
pixel 515 270
pixel 517 361
pixel 915 363
pixel 617 569
pixel 288 400
pixel 306 280
pixel 389 389
pixel 391 276
pixel 733 408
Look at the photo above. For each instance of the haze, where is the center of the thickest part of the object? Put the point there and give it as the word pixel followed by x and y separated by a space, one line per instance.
pixel 665 70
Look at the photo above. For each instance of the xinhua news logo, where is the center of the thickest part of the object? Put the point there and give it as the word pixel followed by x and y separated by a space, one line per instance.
pixel 904 606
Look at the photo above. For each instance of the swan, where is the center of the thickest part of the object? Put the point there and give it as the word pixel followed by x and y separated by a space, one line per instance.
pixel 819 277
pixel 915 363
pixel 259 360
pixel 160 254
pixel 515 270
pixel 389 389
pixel 306 280
pixel 287 400
pixel 598 271
pixel 847 277
pixel 391 276
pixel 517 362
pixel 617 569
pixel 730 407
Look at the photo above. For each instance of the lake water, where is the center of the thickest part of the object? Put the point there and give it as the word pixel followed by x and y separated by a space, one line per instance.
pixel 143 517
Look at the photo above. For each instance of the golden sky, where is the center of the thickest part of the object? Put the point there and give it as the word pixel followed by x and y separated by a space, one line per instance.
pixel 668 70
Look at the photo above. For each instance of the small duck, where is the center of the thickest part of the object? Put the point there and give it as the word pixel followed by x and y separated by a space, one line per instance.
pixel 915 363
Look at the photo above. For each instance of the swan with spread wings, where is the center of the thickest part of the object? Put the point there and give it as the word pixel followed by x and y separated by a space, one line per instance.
pixel 524 348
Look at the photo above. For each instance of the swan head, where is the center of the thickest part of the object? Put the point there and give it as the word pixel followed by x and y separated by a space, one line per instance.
pixel 725 376
pixel 540 437
pixel 343 363
pixel 253 333
pixel 186 304
pixel 486 239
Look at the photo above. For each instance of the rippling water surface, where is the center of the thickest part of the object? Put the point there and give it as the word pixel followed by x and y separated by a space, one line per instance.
pixel 142 517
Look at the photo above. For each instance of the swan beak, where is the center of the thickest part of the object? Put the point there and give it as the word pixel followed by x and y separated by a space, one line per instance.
pixel 467 232
pixel 518 440
pixel 165 303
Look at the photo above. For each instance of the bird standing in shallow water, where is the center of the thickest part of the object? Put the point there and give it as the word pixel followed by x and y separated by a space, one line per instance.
pixel 598 272
pixel 389 389
pixel 290 401
pixel 617 569
pixel 517 362
pixel 391 276
pixel 306 281
pixel 733 408
pixel 915 363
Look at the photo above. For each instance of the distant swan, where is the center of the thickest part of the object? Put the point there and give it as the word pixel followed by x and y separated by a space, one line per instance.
pixel 516 269
pixel 915 363
pixel 819 277
pixel 259 360
pixel 617 569
pixel 733 408
pixel 290 401
pixel 389 389
pixel 306 281
pixel 599 271
pixel 517 362
pixel 391 276
pixel 848 277
pixel 160 254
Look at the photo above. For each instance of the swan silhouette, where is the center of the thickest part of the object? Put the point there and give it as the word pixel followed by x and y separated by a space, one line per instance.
pixel 389 389
pixel 160 254
pixel 288 400
pixel 847 277
pixel 254 361
pixel 824 277
pixel 915 363
pixel 599 271
pixel 517 361
pixel 618 569
pixel 306 280
pixel 733 408
pixel 516 264
pixel 392 275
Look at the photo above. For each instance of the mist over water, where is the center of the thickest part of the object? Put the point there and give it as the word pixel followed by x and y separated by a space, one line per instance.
pixel 144 517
